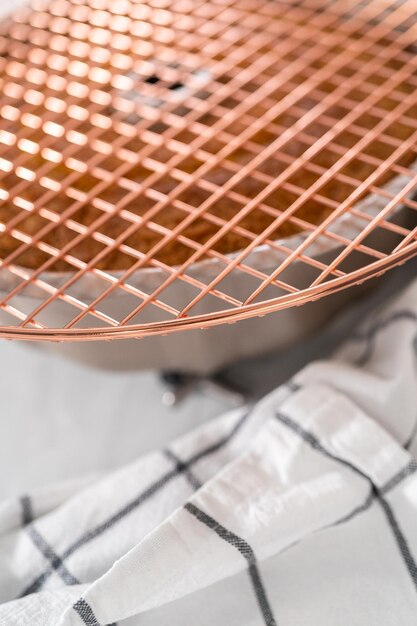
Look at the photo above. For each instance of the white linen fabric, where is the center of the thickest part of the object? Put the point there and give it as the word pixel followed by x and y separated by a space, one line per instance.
pixel 300 510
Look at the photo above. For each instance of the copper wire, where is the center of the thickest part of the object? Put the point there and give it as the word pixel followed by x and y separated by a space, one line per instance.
pixel 89 77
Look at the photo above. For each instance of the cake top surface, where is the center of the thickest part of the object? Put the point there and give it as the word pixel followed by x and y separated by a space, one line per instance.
pixel 231 138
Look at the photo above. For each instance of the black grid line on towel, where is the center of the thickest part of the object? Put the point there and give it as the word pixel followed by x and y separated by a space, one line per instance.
pixel 292 386
pixel 26 510
pixel 154 488
pixel 246 551
pixel 370 335
pixel 378 492
pixel 184 469
pixel 408 470
pixel 86 613
pixel 407 445
pixel 50 555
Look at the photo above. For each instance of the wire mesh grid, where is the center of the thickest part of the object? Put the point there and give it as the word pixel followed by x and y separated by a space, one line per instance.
pixel 172 165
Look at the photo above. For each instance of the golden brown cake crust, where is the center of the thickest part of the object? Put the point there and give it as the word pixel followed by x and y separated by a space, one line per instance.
pixel 312 211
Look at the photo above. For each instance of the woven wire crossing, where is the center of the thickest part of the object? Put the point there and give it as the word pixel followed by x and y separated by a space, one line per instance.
pixel 170 165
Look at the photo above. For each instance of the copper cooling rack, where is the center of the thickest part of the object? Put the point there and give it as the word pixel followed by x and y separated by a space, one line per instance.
pixel 134 109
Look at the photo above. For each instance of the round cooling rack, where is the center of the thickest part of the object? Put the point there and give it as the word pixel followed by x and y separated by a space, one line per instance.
pixel 174 164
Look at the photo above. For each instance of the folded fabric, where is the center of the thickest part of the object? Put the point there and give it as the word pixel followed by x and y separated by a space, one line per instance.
pixel 299 511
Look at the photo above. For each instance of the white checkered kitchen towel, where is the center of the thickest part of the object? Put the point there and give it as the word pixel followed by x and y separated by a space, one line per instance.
pixel 299 511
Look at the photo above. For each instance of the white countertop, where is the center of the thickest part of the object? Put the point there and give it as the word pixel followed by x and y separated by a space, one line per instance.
pixel 52 409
